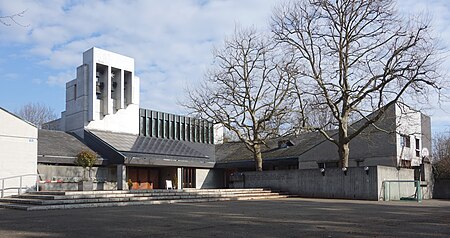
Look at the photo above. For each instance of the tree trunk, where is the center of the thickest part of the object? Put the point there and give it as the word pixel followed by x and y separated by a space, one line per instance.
pixel 258 157
pixel 343 154
pixel 343 143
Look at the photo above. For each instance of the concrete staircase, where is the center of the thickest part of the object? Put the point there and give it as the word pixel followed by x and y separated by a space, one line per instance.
pixel 49 200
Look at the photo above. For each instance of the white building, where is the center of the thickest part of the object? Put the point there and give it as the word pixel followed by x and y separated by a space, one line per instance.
pixel 18 153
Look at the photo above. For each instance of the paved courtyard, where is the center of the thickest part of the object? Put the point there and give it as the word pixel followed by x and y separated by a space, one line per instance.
pixel 293 217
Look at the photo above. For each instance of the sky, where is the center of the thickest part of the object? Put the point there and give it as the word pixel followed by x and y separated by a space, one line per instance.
pixel 171 42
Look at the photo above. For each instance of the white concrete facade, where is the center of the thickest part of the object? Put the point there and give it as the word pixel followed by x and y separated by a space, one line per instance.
pixel 18 151
pixel 386 147
pixel 104 96
pixel 409 135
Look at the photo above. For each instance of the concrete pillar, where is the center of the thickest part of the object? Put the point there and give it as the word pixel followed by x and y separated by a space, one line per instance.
pixel 180 178
pixel 122 177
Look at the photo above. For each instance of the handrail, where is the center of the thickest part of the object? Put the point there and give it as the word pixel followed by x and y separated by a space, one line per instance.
pixel 19 189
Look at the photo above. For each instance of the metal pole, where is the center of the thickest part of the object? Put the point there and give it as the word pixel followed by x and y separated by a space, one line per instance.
pixel 37 183
pixel 20 185
pixel 3 186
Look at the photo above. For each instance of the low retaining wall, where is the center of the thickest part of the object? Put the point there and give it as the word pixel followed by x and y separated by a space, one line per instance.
pixel 357 183
pixel 71 174
pixel 68 186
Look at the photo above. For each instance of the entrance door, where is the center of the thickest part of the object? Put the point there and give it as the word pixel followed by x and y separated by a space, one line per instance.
pixel 143 178
pixel 188 178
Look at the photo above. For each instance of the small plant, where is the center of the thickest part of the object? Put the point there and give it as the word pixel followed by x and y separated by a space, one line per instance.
pixel 130 184
pixel 175 181
pixel 86 159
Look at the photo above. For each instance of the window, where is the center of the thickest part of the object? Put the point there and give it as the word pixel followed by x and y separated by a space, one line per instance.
pixel 155 127
pixel 183 132
pixel 328 165
pixel 417 147
pixel 188 132
pixel 172 130
pixel 161 128
pixel 167 131
pixel 150 126
pixel 406 163
pixel 75 91
pixel 178 132
pixel 193 132
pixel 405 141
pixel 142 125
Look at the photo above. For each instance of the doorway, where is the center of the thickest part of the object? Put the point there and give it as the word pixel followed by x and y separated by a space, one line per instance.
pixel 143 178
pixel 188 177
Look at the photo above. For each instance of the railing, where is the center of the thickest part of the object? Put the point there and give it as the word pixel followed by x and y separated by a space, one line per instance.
pixel 19 189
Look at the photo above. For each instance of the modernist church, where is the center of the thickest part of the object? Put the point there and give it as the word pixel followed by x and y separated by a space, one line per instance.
pixel 147 148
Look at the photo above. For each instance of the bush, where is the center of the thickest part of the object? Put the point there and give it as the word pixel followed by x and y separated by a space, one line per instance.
pixel 86 159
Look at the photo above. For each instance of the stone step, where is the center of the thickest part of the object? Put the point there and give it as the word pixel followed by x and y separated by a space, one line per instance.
pixel 45 196
pixel 32 199
pixel 130 203
pixel 83 199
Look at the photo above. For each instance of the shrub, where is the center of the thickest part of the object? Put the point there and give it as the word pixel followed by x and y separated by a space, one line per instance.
pixel 86 159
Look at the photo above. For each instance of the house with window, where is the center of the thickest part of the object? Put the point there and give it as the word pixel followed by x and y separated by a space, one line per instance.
pixel 401 138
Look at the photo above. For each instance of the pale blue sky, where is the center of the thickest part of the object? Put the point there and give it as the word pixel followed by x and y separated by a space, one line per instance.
pixel 171 42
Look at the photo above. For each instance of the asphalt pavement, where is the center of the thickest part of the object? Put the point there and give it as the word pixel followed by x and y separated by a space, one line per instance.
pixel 293 217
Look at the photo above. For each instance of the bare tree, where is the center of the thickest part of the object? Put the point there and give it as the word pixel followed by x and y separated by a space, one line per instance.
pixel 441 155
pixel 247 91
pixel 37 113
pixel 8 20
pixel 355 57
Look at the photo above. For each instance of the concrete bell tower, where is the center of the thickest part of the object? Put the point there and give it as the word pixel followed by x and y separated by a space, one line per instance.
pixel 104 96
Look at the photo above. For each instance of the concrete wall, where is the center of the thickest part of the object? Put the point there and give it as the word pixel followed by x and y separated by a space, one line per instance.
pixel 208 178
pixel 117 108
pixel 18 151
pixel 356 184
pixel 75 173
pixel 70 186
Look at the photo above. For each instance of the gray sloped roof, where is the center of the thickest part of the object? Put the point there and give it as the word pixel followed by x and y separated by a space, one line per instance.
pixel 58 146
pixel 150 147
pixel 236 151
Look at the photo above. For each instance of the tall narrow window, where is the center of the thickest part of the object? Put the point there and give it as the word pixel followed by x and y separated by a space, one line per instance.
pixel 178 132
pixel 417 147
pixel 75 92
pixel 188 131
pixel 405 141
pixel 155 127
pixel 172 129
pixel 167 129
pixel 142 124
pixel 183 131
pixel 148 126
pixel 161 128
